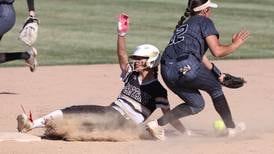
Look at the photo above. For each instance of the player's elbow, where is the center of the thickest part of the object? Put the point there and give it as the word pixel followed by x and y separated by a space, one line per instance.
pixel 217 53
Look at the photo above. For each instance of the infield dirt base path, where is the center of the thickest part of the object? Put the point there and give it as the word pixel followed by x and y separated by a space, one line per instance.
pixel 56 87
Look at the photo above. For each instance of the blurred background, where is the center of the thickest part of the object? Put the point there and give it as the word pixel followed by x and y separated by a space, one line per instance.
pixel 84 31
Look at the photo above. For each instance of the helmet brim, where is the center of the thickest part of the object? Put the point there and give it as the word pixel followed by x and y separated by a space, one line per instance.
pixel 137 57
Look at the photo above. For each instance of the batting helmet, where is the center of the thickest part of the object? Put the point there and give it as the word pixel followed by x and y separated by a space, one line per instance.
pixel 148 51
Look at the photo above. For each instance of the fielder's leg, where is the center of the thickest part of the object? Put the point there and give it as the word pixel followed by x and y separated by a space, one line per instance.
pixel 6 57
pixel 29 56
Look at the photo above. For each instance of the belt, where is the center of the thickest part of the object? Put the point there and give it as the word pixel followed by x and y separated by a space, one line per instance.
pixel 180 58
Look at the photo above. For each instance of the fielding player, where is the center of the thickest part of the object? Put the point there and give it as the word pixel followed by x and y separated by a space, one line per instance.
pixel 183 61
pixel 7 21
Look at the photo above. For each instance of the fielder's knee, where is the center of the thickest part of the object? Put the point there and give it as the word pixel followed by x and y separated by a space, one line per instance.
pixel 197 108
pixel 216 93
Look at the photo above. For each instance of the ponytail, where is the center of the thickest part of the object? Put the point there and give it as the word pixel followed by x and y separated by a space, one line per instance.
pixel 183 18
pixel 189 11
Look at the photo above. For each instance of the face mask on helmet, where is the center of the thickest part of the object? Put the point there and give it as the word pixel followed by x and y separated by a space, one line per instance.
pixel 147 51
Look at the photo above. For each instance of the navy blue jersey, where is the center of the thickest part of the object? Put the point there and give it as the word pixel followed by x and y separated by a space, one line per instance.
pixel 190 38
pixel 139 99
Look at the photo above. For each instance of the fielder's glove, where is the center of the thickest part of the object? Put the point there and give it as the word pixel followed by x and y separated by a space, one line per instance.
pixel 28 33
pixel 123 24
pixel 231 81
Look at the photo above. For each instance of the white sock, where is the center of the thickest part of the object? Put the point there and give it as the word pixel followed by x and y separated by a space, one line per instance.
pixel 40 122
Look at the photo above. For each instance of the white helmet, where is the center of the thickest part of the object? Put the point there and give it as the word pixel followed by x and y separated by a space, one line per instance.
pixel 149 51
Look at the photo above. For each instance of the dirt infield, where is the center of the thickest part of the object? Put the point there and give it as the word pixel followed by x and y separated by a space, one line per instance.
pixel 56 87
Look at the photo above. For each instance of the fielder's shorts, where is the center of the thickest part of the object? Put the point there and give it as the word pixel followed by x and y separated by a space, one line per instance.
pixel 7 18
pixel 187 85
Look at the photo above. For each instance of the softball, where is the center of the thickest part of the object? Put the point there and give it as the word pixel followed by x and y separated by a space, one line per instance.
pixel 219 126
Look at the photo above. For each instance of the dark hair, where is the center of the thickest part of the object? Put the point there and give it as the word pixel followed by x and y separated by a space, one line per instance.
pixel 155 72
pixel 189 10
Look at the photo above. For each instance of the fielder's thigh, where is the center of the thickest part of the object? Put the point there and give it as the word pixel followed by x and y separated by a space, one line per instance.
pixel 192 98
pixel 208 82
pixel 7 18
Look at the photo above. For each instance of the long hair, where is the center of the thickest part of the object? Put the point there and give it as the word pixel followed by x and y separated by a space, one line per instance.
pixel 189 10
pixel 155 72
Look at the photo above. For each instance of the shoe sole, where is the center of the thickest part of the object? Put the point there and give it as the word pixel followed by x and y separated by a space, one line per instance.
pixel 33 67
pixel 22 121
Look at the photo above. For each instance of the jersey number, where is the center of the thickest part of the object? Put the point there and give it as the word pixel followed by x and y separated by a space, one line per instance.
pixel 178 36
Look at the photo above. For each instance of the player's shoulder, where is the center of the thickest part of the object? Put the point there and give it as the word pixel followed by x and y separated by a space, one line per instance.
pixel 127 73
pixel 158 86
pixel 200 19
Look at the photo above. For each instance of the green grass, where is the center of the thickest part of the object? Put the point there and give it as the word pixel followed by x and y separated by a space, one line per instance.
pixel 84 31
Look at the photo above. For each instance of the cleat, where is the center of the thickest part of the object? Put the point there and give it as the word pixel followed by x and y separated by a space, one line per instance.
pixel 189 133
pixel 239 128
pixel 24 124
pixel 156 131
pixel 31 61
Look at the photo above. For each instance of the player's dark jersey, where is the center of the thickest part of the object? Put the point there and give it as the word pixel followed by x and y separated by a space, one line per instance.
pixel 190 38
pixel 138 100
